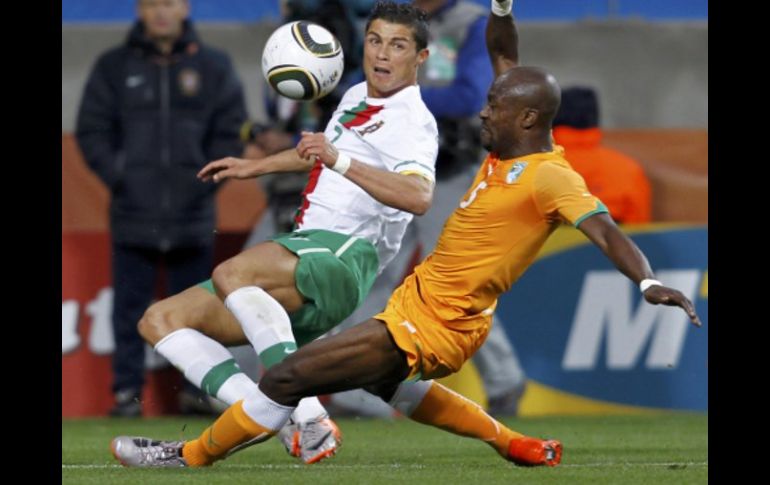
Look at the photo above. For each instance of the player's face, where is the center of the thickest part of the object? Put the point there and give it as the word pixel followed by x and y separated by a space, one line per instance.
pixel 390 58
pixel 497 121
pixel 163 19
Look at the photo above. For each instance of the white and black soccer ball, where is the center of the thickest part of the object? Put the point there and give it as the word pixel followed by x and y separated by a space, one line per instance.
pixel 302 61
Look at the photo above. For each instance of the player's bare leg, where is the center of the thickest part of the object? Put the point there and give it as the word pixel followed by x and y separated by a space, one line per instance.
pixel 363 356
pixel 258 287
pixel 190 329
pixel 195 308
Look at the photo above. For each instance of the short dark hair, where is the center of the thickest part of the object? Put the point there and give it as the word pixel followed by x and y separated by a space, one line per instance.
pixel 405 14
pixel 579 108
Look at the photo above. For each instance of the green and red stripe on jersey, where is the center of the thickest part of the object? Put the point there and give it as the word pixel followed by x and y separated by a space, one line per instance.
pixel 359 115
pixel 312 181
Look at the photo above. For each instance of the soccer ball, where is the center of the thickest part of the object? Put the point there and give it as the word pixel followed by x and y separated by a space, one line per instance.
pixel 302 61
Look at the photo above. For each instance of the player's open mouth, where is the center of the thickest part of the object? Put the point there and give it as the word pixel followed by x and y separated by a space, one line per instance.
pixel 381 70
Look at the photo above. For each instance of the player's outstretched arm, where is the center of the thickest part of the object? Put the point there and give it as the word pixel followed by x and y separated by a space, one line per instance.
pixel 239 168
pixel 502 37
pixel 630 260
pixel 411 193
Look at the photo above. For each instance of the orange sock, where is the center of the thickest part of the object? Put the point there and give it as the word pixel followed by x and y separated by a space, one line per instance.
pixel 232 431
pixel 445 409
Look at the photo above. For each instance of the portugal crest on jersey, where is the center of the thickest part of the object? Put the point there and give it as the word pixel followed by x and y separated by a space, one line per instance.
pixel 359 115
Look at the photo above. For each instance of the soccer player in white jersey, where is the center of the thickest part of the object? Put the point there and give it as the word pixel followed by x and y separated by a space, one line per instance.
pixel 370 171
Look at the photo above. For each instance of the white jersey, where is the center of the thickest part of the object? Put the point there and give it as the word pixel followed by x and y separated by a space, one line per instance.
pixel 396 134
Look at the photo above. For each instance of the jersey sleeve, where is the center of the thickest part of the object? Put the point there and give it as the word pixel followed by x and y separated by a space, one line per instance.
pixel 411 148
pixel 561 194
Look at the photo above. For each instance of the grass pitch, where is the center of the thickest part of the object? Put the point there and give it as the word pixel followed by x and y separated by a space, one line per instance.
pixel 670 448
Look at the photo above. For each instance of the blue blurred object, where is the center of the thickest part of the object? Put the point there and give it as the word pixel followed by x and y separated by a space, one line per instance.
pixel 201 10
pixel 592 335
pixel 253 11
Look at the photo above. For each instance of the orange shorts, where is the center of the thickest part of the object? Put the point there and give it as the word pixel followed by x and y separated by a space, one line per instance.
pixel 433 350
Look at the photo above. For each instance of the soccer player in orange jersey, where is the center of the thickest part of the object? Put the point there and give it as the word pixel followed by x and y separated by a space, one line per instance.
pixel 441 314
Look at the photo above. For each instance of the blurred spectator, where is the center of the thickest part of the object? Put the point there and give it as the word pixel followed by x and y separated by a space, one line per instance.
pixel 617 179
pixel 154 111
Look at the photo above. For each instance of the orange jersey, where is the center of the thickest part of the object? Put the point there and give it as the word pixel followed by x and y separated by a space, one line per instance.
pixel 442 312
pixel 494 235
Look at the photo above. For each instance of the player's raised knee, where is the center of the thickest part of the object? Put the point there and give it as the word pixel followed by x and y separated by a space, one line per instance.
pixel 155 324
pixel 227 277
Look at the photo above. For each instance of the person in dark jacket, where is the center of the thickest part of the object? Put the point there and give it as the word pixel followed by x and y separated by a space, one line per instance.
pixel 154 111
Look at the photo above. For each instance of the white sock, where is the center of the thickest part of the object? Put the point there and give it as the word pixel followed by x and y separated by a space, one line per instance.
pixel 206 363
pixel 308 409
pixel 235 388
pixel 265 323
pixel 501 8
pixel 409 395
pixel 266 412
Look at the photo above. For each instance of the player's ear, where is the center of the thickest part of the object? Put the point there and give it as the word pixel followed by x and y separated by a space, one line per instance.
pixel 422 56
pixel 529 117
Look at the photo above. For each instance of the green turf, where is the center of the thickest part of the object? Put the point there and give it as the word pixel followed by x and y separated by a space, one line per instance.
pixel 597 450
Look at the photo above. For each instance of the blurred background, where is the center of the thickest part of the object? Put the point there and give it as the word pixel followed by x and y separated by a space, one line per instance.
pixel 586 346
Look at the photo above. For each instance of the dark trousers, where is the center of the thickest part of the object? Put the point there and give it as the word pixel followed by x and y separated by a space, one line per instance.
pixel 134 276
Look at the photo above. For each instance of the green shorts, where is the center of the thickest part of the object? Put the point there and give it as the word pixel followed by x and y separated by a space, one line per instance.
pixel 335 273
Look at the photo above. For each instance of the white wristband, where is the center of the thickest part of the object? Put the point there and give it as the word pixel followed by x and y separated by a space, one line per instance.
pixel 342 164
pixel 644 284
pixel 501 9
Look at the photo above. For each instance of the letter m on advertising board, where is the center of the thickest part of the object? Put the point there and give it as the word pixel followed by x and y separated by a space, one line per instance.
pixel 605 314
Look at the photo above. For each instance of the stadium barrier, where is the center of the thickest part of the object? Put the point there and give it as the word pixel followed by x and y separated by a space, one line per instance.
pixel 586 344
